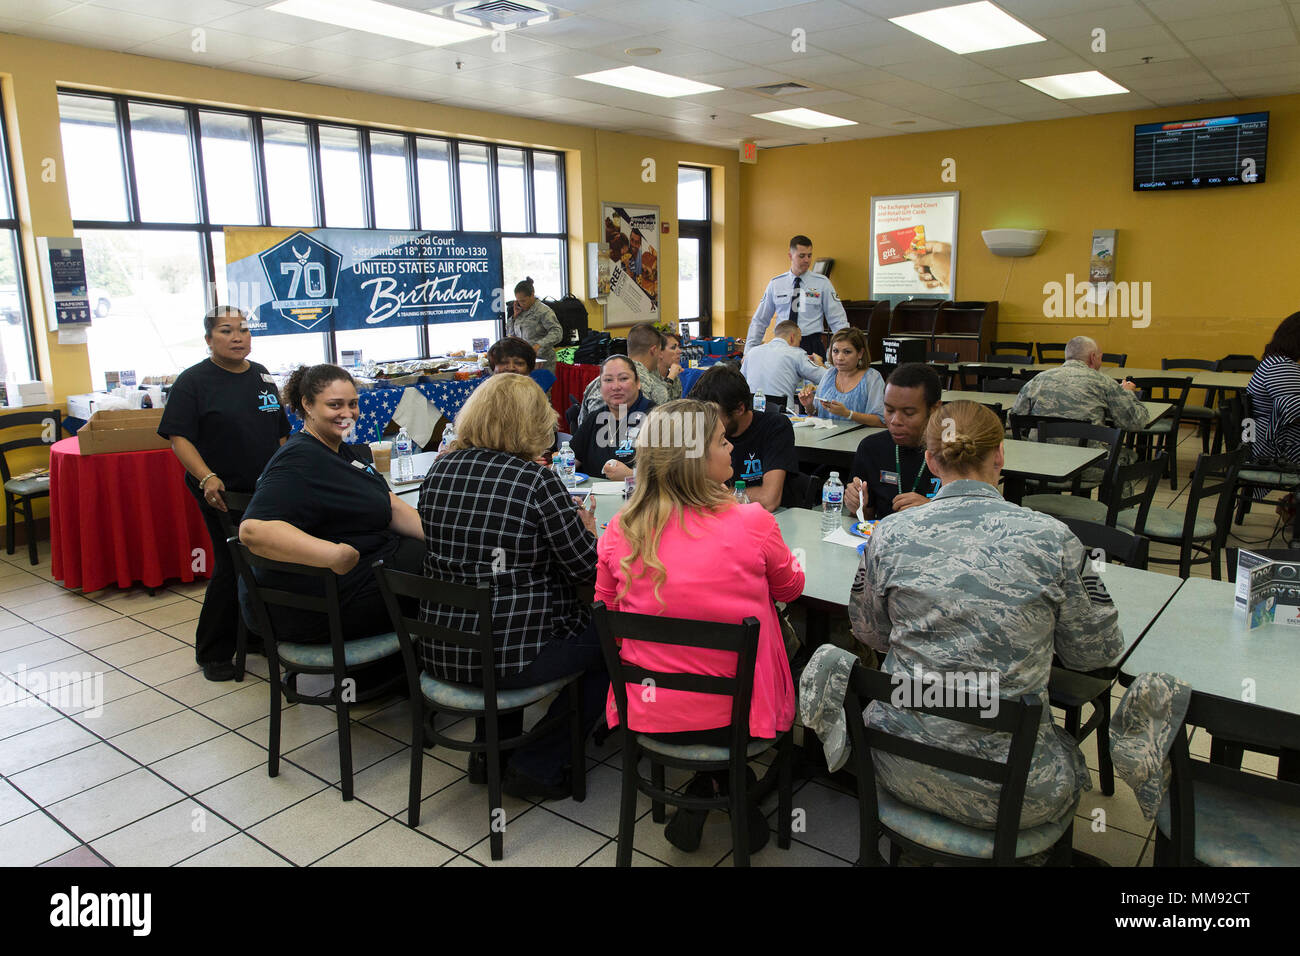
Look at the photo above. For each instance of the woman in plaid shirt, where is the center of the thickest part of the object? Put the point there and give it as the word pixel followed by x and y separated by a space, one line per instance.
pixel 493 512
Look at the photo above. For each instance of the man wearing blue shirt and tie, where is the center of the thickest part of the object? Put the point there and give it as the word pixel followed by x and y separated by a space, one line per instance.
pixel 800 296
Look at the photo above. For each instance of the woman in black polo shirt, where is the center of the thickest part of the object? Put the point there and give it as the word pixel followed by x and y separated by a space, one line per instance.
pixel 605 442
pixel 320 502
pixel 225 422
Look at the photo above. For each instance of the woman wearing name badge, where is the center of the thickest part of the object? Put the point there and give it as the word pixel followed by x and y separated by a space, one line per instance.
pixel 224 420
pixel 849 389
pixel 972 584
pixel 320 502
pixel 605 443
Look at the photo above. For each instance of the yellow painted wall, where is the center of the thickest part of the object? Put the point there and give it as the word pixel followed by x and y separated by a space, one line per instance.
pixel 599 165
pixel 1221 262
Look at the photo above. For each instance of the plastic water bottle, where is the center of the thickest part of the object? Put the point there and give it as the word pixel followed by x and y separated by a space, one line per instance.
pixel 629 485
pixel 760 402
pixel 403 464
pixel 739 494
pixel 448 436
pixel 567 465
pixel 832 503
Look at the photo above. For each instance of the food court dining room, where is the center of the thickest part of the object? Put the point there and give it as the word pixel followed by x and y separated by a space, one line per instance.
pixel 1123 170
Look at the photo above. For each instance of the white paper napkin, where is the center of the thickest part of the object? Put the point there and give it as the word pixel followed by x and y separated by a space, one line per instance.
pixel 842 537
pixel 606 487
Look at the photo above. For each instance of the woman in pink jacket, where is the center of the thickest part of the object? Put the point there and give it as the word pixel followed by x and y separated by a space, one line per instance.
pixel 683 547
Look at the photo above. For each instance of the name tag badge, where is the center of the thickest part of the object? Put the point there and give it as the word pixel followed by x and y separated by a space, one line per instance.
pixel 889 478
pixel 268 378
pixel 359 464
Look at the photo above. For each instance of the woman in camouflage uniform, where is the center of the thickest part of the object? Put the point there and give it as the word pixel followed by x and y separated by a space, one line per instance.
pixel 536 324
pixel 972 583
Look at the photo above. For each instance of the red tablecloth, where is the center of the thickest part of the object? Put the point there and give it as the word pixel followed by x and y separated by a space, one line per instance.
pixel 571 380
pixel 123 517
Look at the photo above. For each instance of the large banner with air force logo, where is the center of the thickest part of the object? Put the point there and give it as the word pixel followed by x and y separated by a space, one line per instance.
pixel 315 280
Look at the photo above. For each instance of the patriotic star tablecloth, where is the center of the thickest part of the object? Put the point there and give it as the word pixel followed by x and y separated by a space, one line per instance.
pixel 376 406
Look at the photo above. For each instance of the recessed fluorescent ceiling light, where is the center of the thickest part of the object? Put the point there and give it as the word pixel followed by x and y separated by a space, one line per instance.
pixel 637 79
pixel 1071 86
pixel 805 119
pixel 382 18
pixel 969 28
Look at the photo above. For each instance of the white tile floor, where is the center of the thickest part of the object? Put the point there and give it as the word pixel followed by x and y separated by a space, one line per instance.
pixel 171 769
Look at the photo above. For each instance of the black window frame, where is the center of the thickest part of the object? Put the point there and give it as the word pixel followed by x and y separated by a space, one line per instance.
pixel 205 227
pixel 14 225
pixel 701 229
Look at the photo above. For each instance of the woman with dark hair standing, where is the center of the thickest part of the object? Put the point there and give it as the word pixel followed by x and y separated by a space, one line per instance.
pixel 536 324
pixel 224 420
pixel 320 502
pixel 1274 391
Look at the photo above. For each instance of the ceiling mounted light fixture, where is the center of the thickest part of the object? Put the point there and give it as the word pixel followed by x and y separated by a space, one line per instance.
pixel 642 51
pixel 370 16
pixel 805 118
pixel 969 28
pixel 637 79
pixel 1073 86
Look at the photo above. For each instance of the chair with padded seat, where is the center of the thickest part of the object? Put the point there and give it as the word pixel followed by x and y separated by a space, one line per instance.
pixel 1254 475
pixel 1070 690
pixel 928 836
pixel 1081 434
pixel 1161 435
pixel 741 639
pixel 237 502
pixel 1215 815
pixel 1049 352
pixel 1112 501
pixel 23 491
pixel 431 695
pixel 1215 480
pixel 338 658
pixel 1204 415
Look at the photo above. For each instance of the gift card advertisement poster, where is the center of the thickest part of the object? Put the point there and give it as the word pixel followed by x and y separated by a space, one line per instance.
pixel 913 241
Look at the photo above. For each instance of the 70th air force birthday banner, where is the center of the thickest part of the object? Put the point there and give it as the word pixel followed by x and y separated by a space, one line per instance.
pixel 293 281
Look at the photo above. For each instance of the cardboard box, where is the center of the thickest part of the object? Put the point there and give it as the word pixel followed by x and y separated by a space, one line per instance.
pixel 126 430
pixel 28 393
pixel 83 406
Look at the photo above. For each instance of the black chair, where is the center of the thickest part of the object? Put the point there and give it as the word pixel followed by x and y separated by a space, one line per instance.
pixel 1022 425
pixel 1114 358
pixel 1223 816
pixel 1051 352
pixel 739 639
pixel 1253 475
pixel 941 362
pixel 1081 434
pixel 237 502
pixel 920 832
pixel 777 403
pixel 1112 500
pixel 802 491
pixel 1024 348
pixel 26 490
pixel 1204 415
pixel 1238 363
pixel 1011 358
pixel 1215 477
pixel 431 695
pixel 1002 386
pixel 1119 546
pixel 337 659
pixel 571 416
pixel 1162 434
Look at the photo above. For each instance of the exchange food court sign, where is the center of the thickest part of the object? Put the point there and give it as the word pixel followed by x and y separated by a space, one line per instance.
pixel 293 281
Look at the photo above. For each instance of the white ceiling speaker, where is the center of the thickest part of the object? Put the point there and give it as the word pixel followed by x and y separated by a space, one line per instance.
pixel 1013 242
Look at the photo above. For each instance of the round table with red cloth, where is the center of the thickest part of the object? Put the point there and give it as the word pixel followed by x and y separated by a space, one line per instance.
pixel 571 380
pixel 122 517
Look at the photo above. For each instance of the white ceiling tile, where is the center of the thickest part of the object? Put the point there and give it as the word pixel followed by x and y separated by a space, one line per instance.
pixel 113 24
pixel 1177 101
pixel 196 12
pixel 368 45
pixel 692 67
pixel 259 68
pixel 851 39
pixel 443 60
pixel 279 26
pixel 219 47
pixel 667 47
pixel 1258 71
pixel 906 49
pixel 1186 68
pixel 736 100
pixel 740 79
pixel 721 33
pixel 765 52
pixel 37 9
pixel 1112 19
pixel 1111 104
pixel 1028 11
pixel 654 16
pixel 1129 38
pixel 386 73
pixel 809 17
pixel 1010 58
pixel 1171 10
pixel 520 47
pixel 1277 54
pixel 741 8
pixel 816 67
pixel 824 100
pixel 570 63
pixel 1243 21
pixel 579 33
pixel 315 61
pixel 1246 88
pixel 1243 42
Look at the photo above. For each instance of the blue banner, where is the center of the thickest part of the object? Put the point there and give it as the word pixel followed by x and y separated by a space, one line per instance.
pixel 321 279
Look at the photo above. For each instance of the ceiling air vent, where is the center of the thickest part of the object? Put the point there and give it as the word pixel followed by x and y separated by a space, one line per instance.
pixel 782 89
pixel 501 14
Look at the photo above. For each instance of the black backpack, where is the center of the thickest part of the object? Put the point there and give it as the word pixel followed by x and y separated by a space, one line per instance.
pixel 573 319
pixel 593 350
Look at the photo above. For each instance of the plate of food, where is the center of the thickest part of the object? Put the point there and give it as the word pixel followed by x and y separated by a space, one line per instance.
pixel 862 529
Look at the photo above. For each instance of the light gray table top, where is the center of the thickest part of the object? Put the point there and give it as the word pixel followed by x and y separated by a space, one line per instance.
pixel 1201 639
pixel 1041 460
pixel 1154 409
pixel 1200 379
pixel 806 436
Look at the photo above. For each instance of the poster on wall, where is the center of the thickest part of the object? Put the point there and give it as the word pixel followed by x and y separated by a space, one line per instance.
pixel 63 280
pixel 632 235
pixel 296 280
pixel 914 245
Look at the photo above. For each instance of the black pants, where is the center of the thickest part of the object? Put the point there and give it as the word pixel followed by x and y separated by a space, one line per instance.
pixel 814 344
pixel 214 637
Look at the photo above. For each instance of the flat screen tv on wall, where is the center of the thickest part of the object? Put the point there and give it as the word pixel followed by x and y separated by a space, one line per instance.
pixel 1200 153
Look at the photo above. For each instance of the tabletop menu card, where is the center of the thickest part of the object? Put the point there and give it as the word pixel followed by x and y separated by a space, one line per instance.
pixel 1268 589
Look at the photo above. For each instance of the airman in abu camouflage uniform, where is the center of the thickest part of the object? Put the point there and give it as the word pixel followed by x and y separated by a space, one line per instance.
pixel 974 583
pixel 537 325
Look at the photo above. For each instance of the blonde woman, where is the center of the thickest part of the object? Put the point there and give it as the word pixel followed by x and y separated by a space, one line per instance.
pixel 684 548
pixel 973 584
pixel 493 513
pixel 848 388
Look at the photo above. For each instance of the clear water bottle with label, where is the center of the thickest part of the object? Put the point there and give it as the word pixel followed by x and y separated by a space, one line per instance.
pixel 566 465
pixel 403 463
pixel 760 402
pixel 629 485
pixel 739 494
pixel 448 436
pixel 832 503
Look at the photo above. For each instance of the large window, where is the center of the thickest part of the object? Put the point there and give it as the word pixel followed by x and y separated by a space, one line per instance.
pixel 694 249
pixel 16 364
pixel 152 185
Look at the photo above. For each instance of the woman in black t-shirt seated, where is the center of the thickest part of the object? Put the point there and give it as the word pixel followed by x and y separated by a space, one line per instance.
pixel 605 443
pixel 320 502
